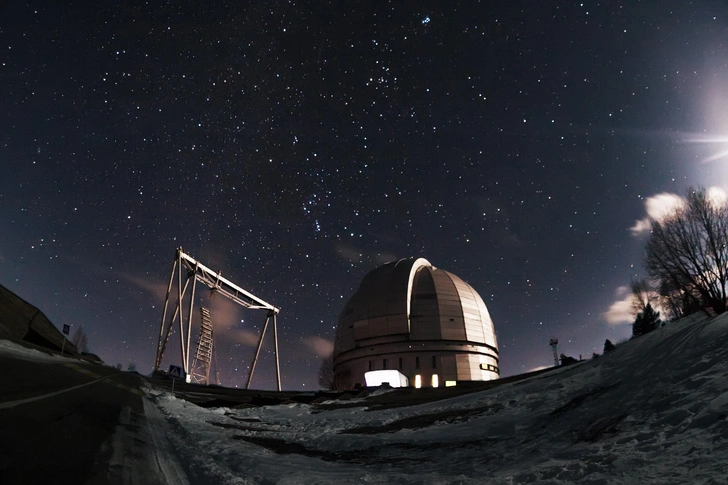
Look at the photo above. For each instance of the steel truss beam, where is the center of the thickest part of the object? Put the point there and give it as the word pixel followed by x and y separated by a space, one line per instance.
pixel 196 271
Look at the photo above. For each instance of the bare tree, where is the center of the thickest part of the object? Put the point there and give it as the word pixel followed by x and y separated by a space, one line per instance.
pixel 642 295
pixel 687 254
pixel 80 340
pixel 326 373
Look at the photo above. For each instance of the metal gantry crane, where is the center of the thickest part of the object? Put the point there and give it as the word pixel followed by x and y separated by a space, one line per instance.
pixel 189 269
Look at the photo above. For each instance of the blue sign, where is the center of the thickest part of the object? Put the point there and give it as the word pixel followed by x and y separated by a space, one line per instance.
pixel 176 371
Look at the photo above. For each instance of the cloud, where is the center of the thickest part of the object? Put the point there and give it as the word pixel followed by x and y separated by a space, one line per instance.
pixel 661 206
pixel 384 258
pixel 350 254
pixel 233 323
pixel 245 337
pixel 658 207
pixel 641 226
pixel 155 287
pixel 717 196
pixel 319 346
pixel 620 311
pixel 354 255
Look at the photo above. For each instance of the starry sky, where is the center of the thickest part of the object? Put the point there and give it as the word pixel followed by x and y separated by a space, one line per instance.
pixel 295 146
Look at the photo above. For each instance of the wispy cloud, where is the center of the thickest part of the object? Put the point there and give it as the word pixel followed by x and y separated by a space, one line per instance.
pixel 156 287
pixel 350 254
pixel 319 346
pixel 658 207
pixel 620 312
pixel 661 206
pixel 354 255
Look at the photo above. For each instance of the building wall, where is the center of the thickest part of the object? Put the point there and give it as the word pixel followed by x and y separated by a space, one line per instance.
pixel 452 365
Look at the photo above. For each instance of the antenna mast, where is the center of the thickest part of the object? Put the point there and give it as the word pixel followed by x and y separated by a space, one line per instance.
pixel 553 343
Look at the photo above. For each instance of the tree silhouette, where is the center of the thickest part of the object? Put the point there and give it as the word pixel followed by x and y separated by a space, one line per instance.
pixel 687 255
pixel 646 321
pixel 567 359
pixel 326 373
pixel 80 340
pixel 643 293
pixel 608 346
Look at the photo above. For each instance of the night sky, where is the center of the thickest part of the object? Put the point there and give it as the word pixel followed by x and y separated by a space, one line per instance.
pixel 295 146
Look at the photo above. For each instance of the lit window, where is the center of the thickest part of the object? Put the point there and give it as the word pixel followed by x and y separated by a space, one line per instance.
pixel 435 380
pixel 418 381
pixel 451 383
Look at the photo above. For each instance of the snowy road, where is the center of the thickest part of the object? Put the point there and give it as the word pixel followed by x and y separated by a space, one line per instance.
pixel 65 421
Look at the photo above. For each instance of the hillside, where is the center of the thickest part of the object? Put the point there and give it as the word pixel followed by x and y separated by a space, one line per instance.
pixel 20 320
pixel 652 411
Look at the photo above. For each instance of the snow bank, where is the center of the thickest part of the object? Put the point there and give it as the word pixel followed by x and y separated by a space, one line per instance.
pixel 651 411
pixel 17 351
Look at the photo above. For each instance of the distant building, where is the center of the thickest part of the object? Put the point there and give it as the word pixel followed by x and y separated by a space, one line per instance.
pixel 422 321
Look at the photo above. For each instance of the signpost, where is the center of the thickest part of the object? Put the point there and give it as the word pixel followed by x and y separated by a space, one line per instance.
pixel 175 372
pixel 66 331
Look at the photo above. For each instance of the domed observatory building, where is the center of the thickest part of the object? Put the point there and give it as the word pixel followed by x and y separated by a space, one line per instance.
pixel 419 322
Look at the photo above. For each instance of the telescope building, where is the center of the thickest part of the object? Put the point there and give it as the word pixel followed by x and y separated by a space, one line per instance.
pixel 422 321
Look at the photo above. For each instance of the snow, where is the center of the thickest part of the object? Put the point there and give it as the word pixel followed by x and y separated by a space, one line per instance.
pixel 17 351
pixel 651 411
pixel 654 410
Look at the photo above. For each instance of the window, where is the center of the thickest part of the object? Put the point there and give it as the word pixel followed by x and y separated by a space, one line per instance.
pixel 400 363
pixel 434 362
pixel 451 383
pixel 417 362
pixel 490 367
pixel 384 363
pixel 435 380
pixel 370 365
pixel 418 381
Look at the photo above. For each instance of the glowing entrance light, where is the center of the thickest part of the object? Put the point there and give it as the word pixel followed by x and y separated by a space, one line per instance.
pixel 435 380
pixel 392 377
pixel 418 381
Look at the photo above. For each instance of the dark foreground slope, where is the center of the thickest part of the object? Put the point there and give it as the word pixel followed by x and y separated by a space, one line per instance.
pixel 55 417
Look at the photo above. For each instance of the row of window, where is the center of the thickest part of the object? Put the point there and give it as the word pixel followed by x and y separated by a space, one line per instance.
pixel 435 381
pixel 385 363
pixel 490 367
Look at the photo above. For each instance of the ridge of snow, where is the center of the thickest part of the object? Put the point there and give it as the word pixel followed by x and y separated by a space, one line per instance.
pixel 653 410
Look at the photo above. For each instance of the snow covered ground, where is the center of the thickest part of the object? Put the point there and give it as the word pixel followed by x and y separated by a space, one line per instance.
pixel 20 352
pixel 654 410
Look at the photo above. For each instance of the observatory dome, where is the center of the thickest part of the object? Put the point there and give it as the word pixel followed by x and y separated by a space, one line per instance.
pixel 423 321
